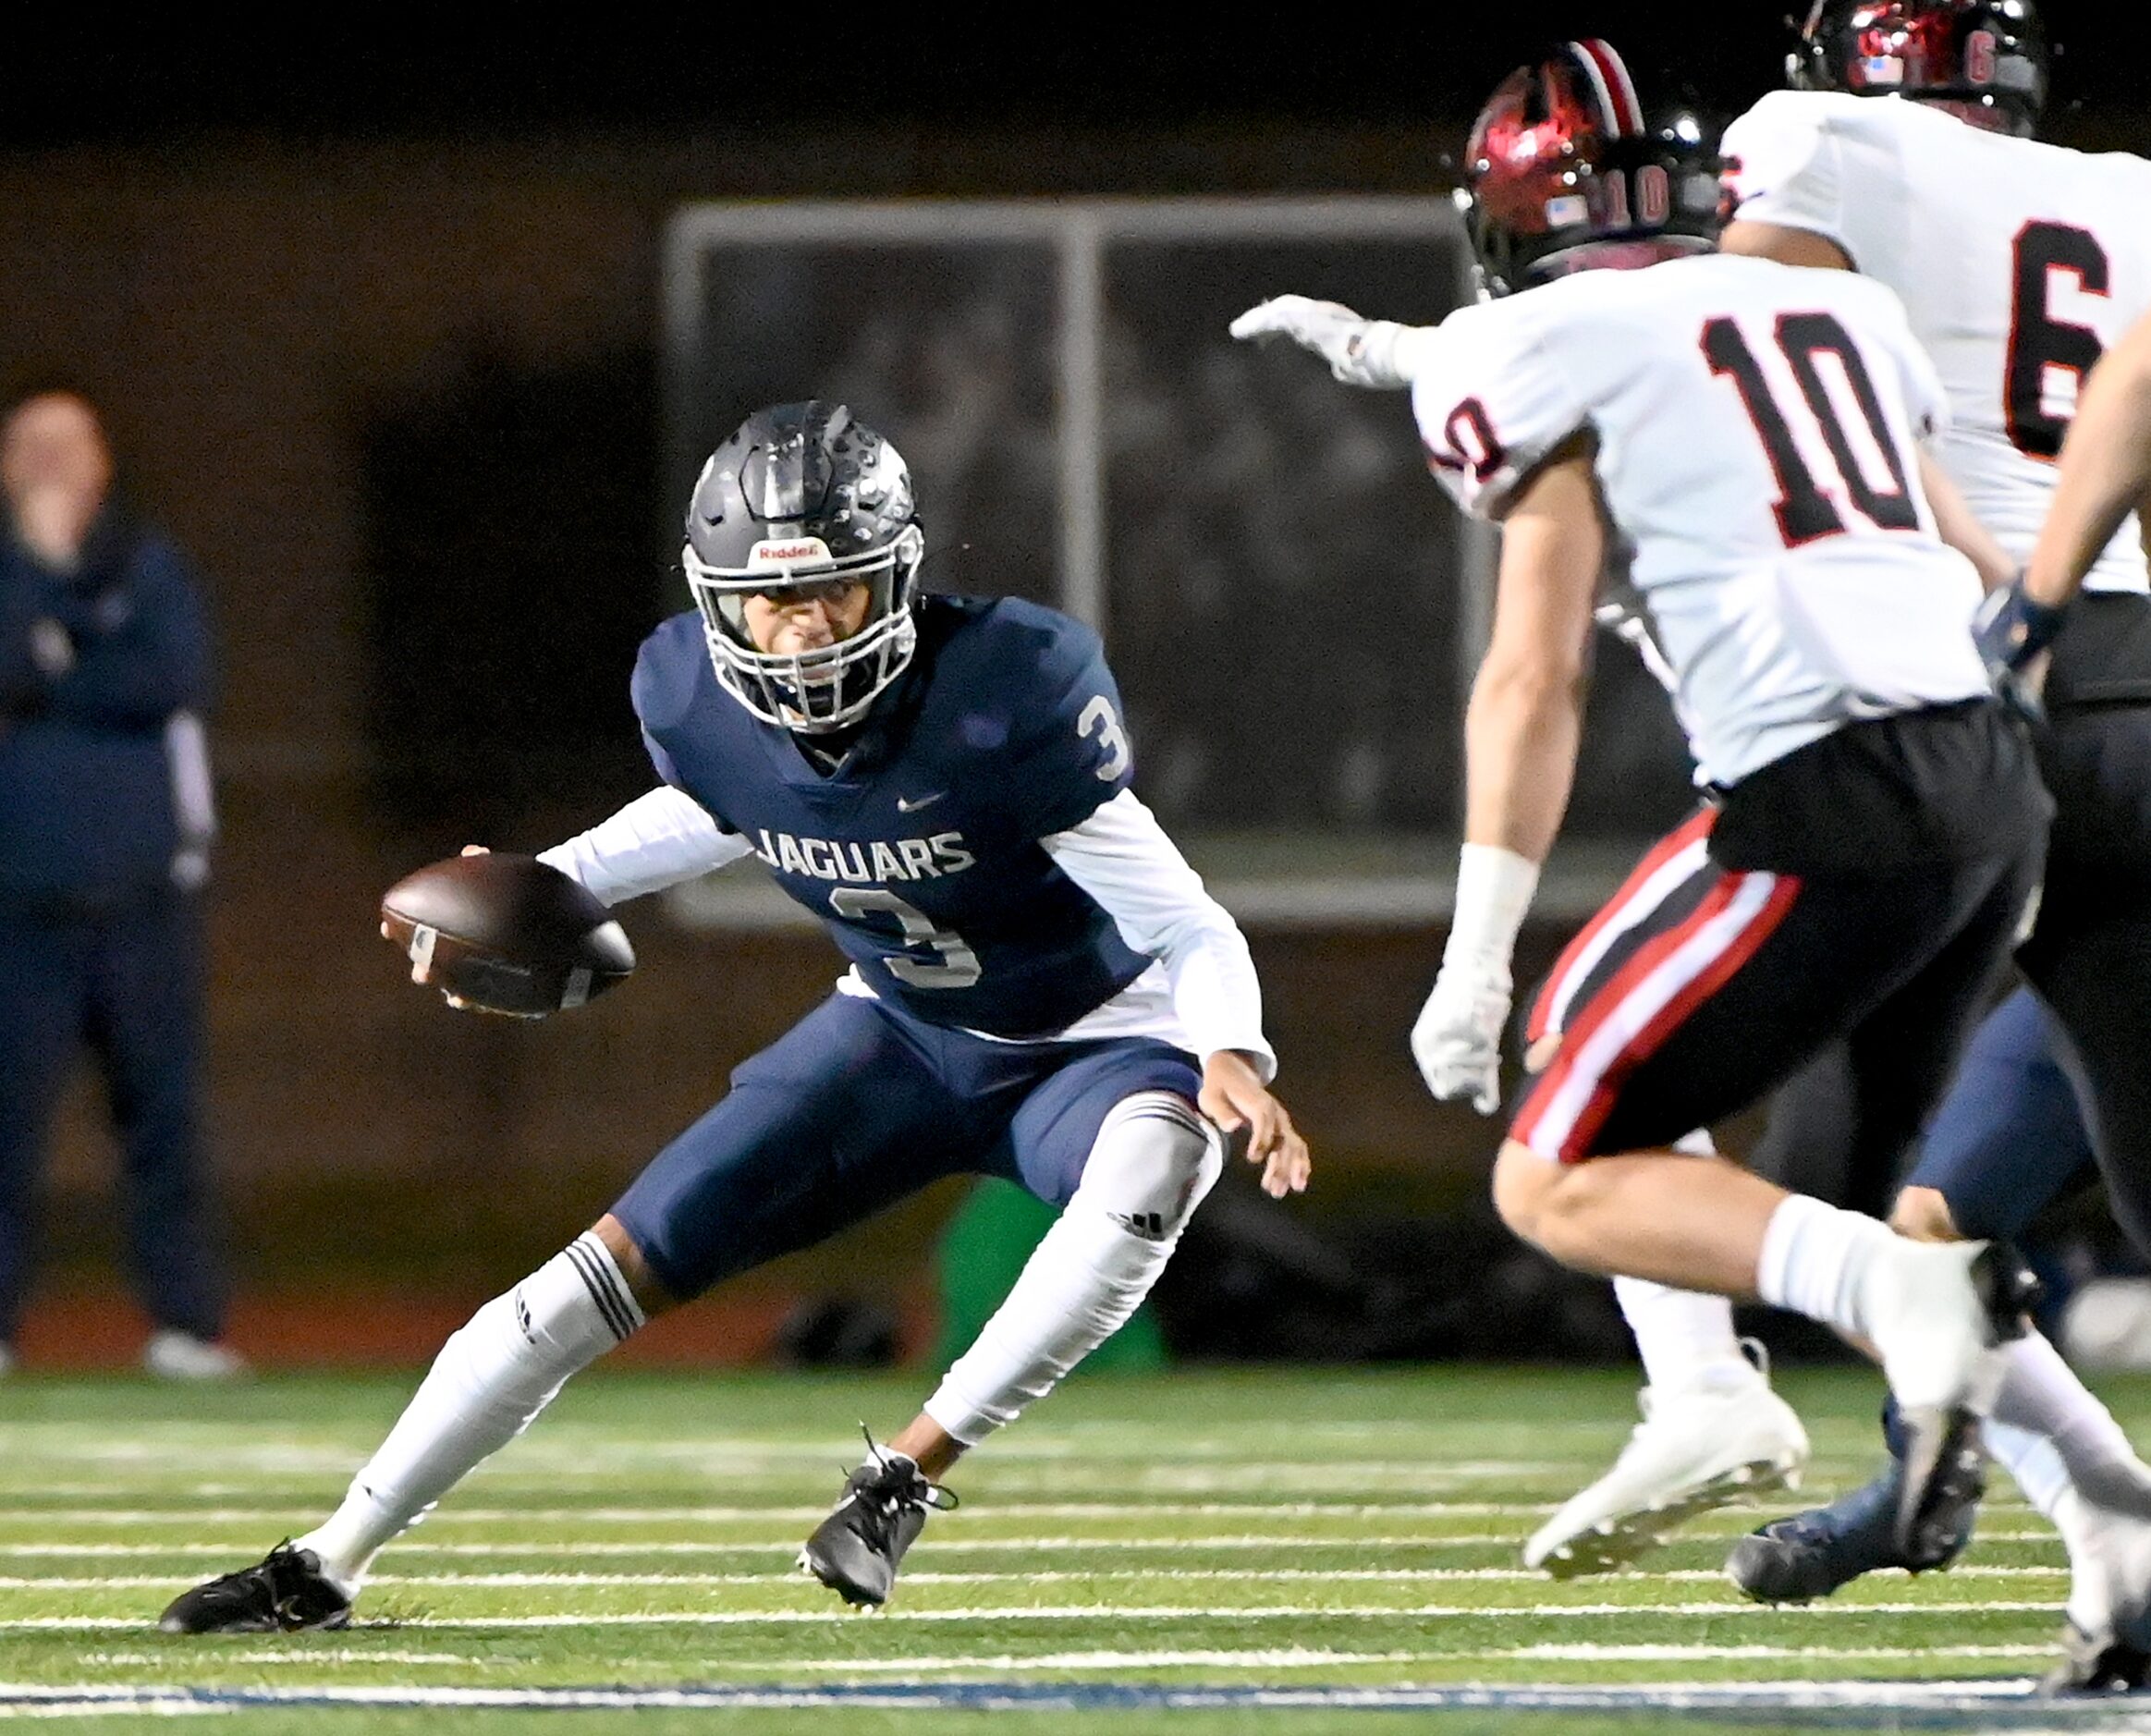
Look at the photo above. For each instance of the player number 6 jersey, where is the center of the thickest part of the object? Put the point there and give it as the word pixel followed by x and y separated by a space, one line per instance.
pixel 2018 262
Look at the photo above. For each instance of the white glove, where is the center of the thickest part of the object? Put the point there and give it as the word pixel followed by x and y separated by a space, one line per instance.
pixel 1457 1039
pixel 1359 352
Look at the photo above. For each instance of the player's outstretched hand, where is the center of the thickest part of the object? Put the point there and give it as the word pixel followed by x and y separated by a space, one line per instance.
pixel 1359 352
pixel 1457 1040
pixel 421 972
pixel 1234 1096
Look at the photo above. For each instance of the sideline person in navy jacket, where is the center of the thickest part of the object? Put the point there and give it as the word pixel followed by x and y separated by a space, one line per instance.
pixel 105 828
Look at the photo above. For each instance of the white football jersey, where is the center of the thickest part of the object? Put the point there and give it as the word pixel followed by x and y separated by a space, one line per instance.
pixel 2019 263
pixel 1755 427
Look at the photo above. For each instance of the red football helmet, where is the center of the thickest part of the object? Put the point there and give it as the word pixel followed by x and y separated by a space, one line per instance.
pixel 1986 58
pixel 1563 171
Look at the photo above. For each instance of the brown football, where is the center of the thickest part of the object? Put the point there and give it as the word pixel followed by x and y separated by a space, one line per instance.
pixel 507 933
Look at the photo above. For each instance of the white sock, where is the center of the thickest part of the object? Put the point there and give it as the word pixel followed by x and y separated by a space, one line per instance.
pixel 1685 1337
pixel 2041 1395
pixel 2031 1460
pixel 1154 1161
pixel 489 1381
pixel 1815 1258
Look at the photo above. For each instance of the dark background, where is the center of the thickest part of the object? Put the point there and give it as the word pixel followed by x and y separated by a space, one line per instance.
pixel 374 315
pixel 159 81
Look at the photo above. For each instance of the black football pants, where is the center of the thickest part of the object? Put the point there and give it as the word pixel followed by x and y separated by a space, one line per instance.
pixel 2089 956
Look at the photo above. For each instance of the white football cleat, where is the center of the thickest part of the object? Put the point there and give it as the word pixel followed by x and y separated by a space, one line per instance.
pixel 1930 1323
pixel 1696 1450
pixel 173 1355
pixel 2107 1640
pixel 1938 1314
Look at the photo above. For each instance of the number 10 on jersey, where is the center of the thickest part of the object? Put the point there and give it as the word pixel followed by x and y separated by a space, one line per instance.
pixel 1804 510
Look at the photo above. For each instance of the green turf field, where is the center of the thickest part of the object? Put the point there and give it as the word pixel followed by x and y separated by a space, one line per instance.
pixel 1289 1534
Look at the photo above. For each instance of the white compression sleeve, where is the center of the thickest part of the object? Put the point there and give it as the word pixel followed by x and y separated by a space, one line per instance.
pixel 2042 1397
pixel 1121 856
pixel 656 841
pixel 1154 1160
pixel 484 1387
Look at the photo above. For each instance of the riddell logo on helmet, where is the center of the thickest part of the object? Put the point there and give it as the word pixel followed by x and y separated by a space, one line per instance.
pixel 783 553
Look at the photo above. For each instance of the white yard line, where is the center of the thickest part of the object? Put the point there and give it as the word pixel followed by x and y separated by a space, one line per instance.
pixel 987 1512
pixel 1299 1658
pixel 310 1654
pixel 936 1545
pixel 786 1574
pixel 823 1614
pixel 1658 1654
pixel 1290 1657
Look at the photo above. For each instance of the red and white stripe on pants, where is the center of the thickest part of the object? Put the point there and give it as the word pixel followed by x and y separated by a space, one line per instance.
pixel 1671 974
pixel 1671 862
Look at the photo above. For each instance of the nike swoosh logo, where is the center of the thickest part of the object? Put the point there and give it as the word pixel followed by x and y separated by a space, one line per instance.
pixel 906 806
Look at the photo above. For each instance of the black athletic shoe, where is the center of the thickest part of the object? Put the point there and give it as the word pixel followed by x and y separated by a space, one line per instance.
pixel 855 1551
pixel 284 1593
pixel 2096 1663
pixel 1811 1554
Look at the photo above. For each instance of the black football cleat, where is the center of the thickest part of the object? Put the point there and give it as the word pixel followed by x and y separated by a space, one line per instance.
pixel 856 1550
pixel 1806 1555
pixel 1944 1478
pixel 2096 1663
pixel 285 1592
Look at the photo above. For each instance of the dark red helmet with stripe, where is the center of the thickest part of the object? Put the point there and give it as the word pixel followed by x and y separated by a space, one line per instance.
pixel 1564 171
pixel 1984 58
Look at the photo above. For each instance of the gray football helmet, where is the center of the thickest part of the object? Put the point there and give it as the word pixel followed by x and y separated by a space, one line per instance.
pixel 799 495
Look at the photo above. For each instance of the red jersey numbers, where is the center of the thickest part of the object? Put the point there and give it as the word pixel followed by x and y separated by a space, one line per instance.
pixel 1469 442
pixel 2039 344
pixel 1804 507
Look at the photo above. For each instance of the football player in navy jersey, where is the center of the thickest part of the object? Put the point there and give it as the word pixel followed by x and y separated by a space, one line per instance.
pixel 1039 989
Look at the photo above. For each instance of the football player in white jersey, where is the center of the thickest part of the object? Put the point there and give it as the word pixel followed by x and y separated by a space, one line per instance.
pixel 1736 445
pixel 2018 262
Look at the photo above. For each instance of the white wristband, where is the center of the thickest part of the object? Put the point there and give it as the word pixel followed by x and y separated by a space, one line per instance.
pixel 1493 892
pixel 1379 359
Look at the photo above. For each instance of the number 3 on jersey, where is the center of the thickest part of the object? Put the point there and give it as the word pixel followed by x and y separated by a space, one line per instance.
pixel 1805 509
pixel 959 966
pixel 1100 719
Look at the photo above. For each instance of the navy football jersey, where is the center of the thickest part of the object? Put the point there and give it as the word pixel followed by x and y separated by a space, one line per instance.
pixel 921 850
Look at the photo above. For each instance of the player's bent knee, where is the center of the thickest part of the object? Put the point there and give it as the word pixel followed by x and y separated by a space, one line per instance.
pixel 653 1297
pixel 1524 1184
pixel 1554 1207
pixel 1924 1215
pixel 1152 1164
